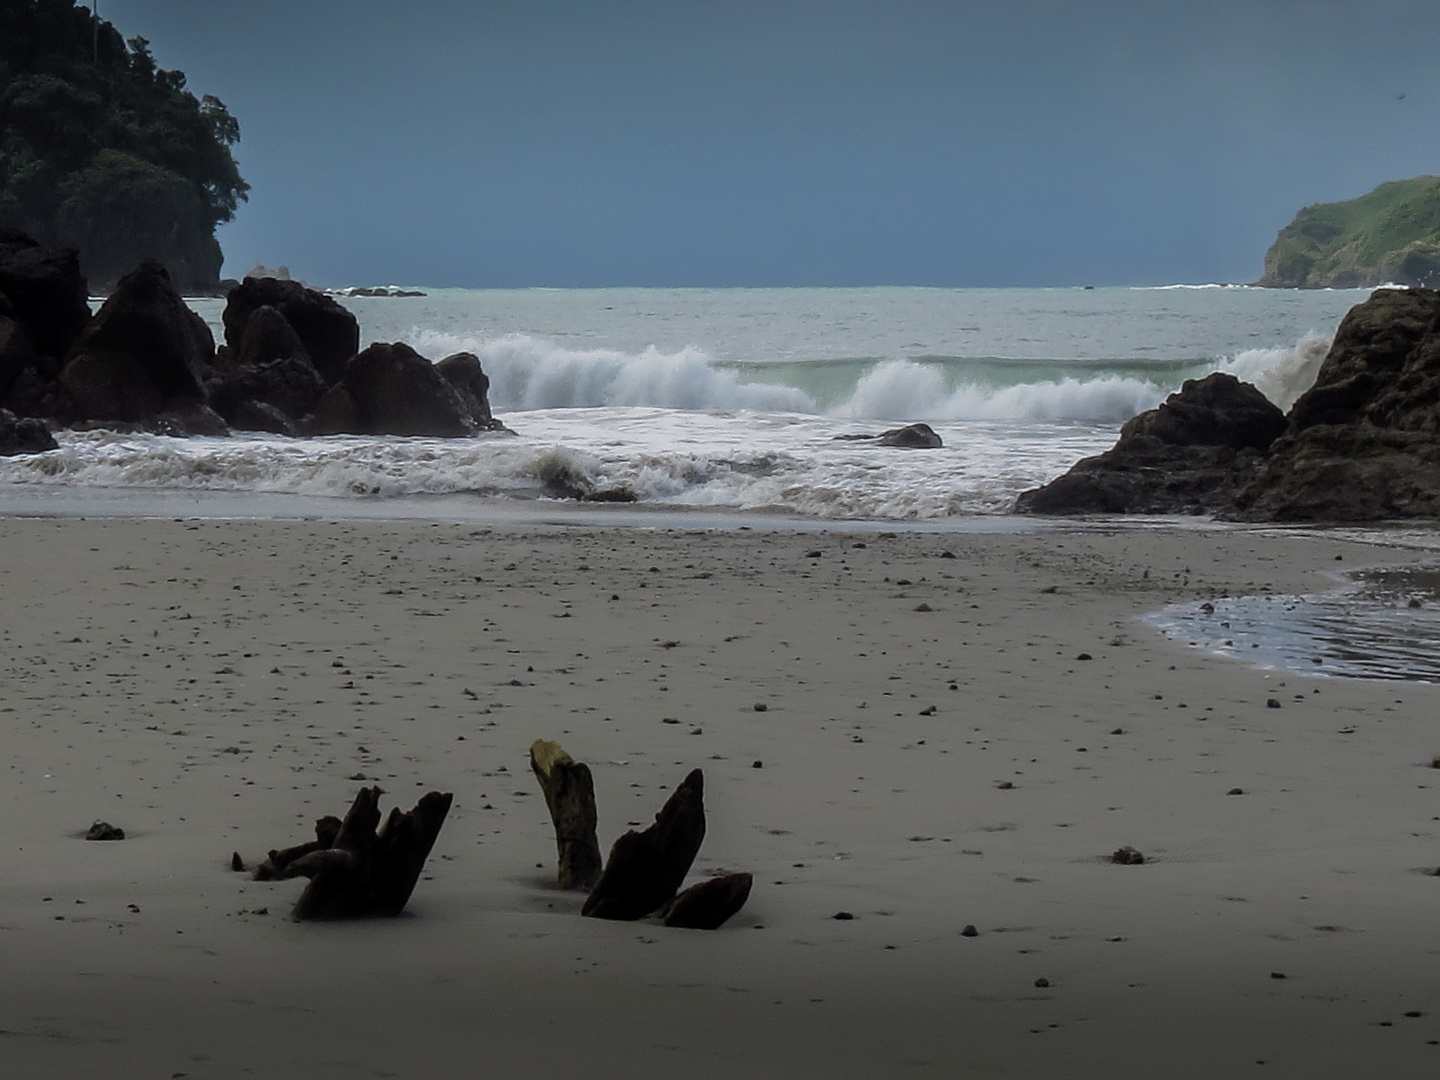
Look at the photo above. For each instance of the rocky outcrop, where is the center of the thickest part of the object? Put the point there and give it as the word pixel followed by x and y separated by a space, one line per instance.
pixel 43 293
pixel 329 332
pixel 393 390
pixel 1191 455
pixel 1363 443
pixel 464 373
pixel 23 436
pixel 145 355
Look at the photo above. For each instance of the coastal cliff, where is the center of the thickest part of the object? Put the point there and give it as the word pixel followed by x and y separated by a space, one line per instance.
pixel 1389 236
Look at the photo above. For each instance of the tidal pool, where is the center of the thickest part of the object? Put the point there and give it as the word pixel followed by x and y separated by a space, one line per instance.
pixel 1385 624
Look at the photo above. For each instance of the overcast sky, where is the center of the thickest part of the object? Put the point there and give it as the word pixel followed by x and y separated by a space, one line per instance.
pixel 797 142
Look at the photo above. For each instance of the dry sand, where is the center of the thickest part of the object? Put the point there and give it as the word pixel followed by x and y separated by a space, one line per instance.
pixel 214 686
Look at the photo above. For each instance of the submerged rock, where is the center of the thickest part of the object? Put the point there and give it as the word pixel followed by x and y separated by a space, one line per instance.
pixel 909 437
pixel 24 436
pixel 1190 455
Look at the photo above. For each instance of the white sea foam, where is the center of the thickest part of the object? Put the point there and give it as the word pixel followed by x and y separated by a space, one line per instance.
pixel 1282 374
pixel 532 373
pixel 904 390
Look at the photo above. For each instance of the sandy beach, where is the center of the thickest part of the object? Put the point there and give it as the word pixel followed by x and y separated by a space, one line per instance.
pixel 932 753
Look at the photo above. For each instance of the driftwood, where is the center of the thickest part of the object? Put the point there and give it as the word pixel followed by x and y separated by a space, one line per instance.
pixel 361 871
pixel 707 905
pixel 646 869
pixel 570 794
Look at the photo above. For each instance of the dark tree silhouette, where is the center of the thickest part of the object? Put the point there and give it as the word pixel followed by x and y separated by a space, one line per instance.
pixel 102 149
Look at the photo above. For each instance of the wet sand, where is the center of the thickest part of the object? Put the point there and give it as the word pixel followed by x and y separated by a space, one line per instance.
pixel 213 686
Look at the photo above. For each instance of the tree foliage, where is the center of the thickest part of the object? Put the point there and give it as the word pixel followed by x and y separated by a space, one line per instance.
pixel 102 149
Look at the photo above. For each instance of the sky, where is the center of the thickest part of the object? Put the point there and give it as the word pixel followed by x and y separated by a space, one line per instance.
pixel 569 143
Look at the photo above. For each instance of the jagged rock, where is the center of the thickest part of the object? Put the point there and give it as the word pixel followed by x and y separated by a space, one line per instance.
pixel 646 869
pixel 1190 455
pixel 27 436
pixel 329 332
pixel 288 386
pixel 398 392
pixel 1127 856
pixel 335 414
pixel 268 336
pixel 103 830
pixel 16 353
pixel 464 373
pixel 570 794
pixel 1363 443
pixel 144 353
pixel 46 293
pixel 251 415
pixel 709 904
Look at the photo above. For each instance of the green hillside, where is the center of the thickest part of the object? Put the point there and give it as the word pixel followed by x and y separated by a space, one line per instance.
pixel 103 150
pixel 1390 235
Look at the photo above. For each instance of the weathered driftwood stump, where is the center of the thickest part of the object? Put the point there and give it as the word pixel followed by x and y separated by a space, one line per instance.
pixel 646 869
pixel 356 870
pixel 707 905
pixel 570 794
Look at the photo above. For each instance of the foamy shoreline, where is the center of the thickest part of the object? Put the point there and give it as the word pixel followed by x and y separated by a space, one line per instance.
pixel 178 679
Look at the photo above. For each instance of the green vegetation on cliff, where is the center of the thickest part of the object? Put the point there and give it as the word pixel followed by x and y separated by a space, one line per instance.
pixel 103 150
pixel 1391 235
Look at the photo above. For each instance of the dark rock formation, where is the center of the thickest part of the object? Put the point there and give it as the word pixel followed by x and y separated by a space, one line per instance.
pixel 464 373
pixel 329 333
pixel 1363 443
pixel 16 353
pixel 1190 455
pixel 268 336
pixel 396 391
pixel 646 869
pixel 27 436
pixel 271 396
pixel 909 437
pixel 709 904
pixel 46 295
pixel 144 354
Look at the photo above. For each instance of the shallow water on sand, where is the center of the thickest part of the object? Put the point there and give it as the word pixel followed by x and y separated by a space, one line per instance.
pixel 1384 625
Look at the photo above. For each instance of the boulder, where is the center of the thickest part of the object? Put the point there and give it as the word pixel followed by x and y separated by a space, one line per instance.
pixel 1363 443
pixel 268 336
pixel 330 334
pixel 1191 455
pixel 46 293
pixel 397 391
pixel 465 375
pixel 16 353
pixel 909 437
pixel 27 436
pixel 288 386
pixel 336 414
pixel 145 353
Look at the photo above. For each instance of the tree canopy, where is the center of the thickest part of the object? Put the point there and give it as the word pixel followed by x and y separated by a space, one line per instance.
pixel 102 149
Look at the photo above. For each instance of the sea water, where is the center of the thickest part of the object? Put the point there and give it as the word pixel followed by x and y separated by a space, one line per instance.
pixel 730 400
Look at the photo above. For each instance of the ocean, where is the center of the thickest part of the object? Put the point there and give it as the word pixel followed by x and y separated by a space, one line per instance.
pixel 730 400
